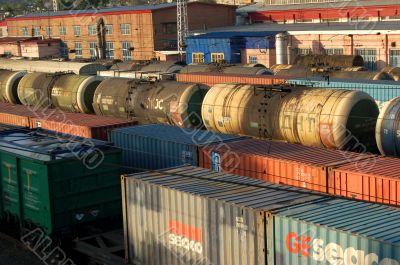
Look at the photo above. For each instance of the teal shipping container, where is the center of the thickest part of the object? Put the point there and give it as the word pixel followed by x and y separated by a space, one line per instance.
pixel 54 181
pixel 158 146
pixel 196 216
pixel 336 232
pixel 380 90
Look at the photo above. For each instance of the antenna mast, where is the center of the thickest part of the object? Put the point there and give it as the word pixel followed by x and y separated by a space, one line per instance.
pixel 182 25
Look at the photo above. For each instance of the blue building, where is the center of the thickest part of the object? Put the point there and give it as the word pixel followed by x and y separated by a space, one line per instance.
pixel 226 46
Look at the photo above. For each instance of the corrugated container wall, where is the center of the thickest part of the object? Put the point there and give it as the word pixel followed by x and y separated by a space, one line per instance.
pixel 162 146
pixel 82 125
pixel 380 90
pixel 211 79
pixel 192 216
pixel 377 181
pixel 336 232
pixel 57 181
pixel 284 163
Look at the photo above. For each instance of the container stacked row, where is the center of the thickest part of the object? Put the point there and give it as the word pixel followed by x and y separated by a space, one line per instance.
pixel 83 125
pixel 360 176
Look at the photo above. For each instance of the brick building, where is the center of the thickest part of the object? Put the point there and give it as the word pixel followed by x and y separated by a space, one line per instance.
pixel 378 43
pixel 30 47
pixel 131 32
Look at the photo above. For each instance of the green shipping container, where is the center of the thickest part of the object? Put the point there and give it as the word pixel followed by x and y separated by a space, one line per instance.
pixel 55 181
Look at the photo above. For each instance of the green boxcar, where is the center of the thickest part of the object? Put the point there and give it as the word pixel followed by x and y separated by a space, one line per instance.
pixel 55 182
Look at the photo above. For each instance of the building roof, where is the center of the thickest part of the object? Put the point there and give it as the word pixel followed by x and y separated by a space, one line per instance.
pixel 107 10
pixel 117 10
pixel 234 34
pixel 5 40
pixel 367 27
pixel 261 7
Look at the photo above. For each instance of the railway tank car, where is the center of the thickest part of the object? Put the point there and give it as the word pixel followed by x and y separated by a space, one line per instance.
pixel 328 118
pixel 75 93
pixel 9 81
pixel 388 128
pixel 151 102
pixel 34 89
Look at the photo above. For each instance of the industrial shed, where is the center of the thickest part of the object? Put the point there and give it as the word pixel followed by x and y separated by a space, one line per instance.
pixel 230 47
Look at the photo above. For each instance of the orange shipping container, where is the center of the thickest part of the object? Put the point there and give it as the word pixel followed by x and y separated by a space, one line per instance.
pixel 278 162
pixel 376 181
pixel 211 79
pixel 83 125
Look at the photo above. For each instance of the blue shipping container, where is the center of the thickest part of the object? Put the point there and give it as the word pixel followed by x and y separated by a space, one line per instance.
pixel 162 146
pixel 380 90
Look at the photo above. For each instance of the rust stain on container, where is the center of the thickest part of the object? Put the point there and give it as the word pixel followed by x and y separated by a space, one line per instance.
pixel 375 180
pixel 219 78
pixel 278 162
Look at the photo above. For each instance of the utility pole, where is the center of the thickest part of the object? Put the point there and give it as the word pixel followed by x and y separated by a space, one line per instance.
pixel 55 5
pixel 182 25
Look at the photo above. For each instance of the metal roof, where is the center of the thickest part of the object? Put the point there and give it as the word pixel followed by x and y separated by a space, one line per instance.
pixel 176 134
pixel 261 7
pixel 366 219
pixel 371 27
pixel 46 145
pixel 97 11
pixel 234 34
pixel 292 152
pixel 243 191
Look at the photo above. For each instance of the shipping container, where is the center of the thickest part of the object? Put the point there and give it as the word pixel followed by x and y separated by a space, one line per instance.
pixel 378 181
pixel 380 90
pixel 83 125
pixel 161 146
pixel 57 181
pixel 18 115
pixel 336 232
pixel 280 162
pixel 211 79
pixel 189 215
pixel 180 216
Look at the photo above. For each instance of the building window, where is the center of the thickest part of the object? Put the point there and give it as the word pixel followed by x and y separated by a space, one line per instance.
pixel 217 57
pixel 49 31
pixel 303 51
pixel 92 49
pixel 92 29
pixel 169 28
pixel 125 29
pixel 64 50
pixel 253 59
pixel 197 57
pixel 394 57
pixel 109 29
pixel 78 50
pixel 334 51
pixel 369 56
pixel 63 31
pixel 126 51
pixel 36 31
pixel 24 32
pixel 109 50
pixel 77 31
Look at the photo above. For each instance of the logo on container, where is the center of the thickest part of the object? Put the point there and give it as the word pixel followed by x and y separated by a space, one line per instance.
pixel 185 236
pixel 332 253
